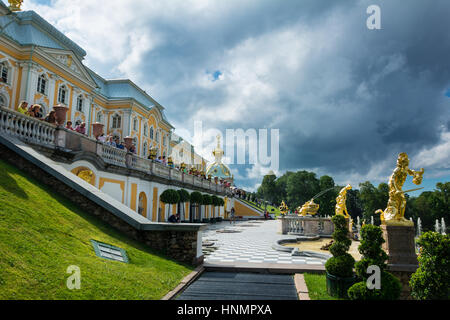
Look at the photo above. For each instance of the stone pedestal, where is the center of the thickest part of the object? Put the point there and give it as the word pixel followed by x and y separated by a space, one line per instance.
pixel 400 245
pixel 328 227
pixel 311 227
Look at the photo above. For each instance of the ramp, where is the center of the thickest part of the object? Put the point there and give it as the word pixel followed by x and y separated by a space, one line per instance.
pixel 241 286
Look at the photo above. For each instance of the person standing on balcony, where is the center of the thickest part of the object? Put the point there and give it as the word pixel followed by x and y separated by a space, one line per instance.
pixel 50 118
pixel 23 107
pixel 81 128
pixel 69 125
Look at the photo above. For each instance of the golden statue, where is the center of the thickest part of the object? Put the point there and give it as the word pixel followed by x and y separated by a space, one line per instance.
pixel 394 214
pixel 283 208
pixel 153 153
pixel 86 175
pixel 310 208
pixel 341 202
pixel 14 5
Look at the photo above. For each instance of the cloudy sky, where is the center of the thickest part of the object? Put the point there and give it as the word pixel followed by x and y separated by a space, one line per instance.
pixel 346 99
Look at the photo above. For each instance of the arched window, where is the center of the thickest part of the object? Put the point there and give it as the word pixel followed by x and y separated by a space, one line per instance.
pixel 135 141
pixel 42 84
pixel 157 136
pixel 62 94
pixel 135 124
pixel 99 117
pixel 142 206
pixel 80 102
pixel 116 121
pixel 151 133
pixel 4 72
pixel 165 140
pixel 145 130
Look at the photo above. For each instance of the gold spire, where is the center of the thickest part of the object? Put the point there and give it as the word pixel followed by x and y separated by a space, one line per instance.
pixel 14 5
pixel 218 152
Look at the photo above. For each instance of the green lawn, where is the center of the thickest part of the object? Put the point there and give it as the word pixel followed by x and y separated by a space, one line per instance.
pixel 262 207
pixel 42 234
pixel 317 287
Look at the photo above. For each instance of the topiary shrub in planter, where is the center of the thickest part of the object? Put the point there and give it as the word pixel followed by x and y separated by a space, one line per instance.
pixel 431 281
pixel 373 254
pixel 340 267
pixel 170 196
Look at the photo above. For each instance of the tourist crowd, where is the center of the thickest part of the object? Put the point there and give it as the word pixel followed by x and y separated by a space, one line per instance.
pixel 36 111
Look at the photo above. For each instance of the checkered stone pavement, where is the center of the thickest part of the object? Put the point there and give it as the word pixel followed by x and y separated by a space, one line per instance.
pixel 252 245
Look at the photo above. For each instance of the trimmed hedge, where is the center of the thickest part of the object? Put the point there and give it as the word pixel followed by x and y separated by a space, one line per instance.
pixel 373 254
pixel 341 264
pixel 431 281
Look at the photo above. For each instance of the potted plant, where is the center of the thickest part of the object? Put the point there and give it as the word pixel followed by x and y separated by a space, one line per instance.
pixel 170 197
pixel 373 255
pixel 196 200
pixel 339 268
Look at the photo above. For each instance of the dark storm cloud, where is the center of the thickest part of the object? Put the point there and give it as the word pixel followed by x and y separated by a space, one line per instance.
pixel 356 97
pixel 393 80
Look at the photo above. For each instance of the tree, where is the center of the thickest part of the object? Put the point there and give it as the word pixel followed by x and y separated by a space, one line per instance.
pixel 371 199
pixel 196 199
pixel 281 185
pixel 184 197
pixel 354 204
pixel 301 186
pixel 327 201
pixel 170 196
pixel 215 202
pixel 268 188
pixel 206 200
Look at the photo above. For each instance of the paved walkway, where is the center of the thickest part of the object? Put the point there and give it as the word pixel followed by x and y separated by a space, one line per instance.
pixel 252 243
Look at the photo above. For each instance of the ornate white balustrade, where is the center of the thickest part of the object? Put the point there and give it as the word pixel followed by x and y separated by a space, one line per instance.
pixel 306 225
pixel 112 155
pixel 26 128
pixel 38 132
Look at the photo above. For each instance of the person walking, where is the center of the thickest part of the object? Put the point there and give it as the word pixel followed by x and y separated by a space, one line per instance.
pixel 232 217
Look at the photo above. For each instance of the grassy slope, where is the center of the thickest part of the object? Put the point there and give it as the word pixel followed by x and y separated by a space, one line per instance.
pixel 42 234
pixel 261 208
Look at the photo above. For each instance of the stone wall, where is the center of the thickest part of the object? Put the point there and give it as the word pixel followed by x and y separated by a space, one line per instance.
pixel 178 245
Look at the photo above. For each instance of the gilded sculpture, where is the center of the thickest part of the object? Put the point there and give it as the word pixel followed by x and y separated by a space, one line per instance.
pixel 394 214
pixel 14 5
pixel 283 208
pixel 86 175
pixel 341 202
pixel 310 208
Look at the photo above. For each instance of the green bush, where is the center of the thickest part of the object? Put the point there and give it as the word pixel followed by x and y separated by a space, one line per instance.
pixel 341 264
pixel 170 196
pixel 206 200
pixel 390 289
pixel 196 197
pixel 373 254
pixel 184 196
pixel 431 281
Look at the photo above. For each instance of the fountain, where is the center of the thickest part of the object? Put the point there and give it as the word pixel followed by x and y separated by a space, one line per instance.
pixel 443 227
pixel 419 227
pixel 371 221
pixel 437 226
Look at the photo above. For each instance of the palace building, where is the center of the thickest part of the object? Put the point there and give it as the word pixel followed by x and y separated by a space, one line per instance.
pixel 40 65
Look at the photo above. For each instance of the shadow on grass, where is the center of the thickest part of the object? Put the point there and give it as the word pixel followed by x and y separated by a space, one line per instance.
pixel 10 185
